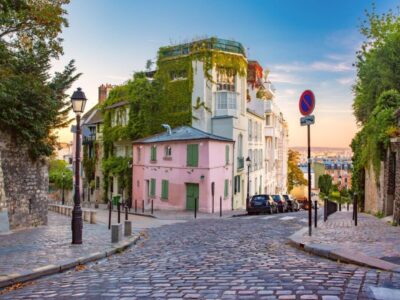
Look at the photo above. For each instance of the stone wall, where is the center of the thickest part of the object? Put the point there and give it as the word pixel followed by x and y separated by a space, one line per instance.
pixel 23 185
pixel 374 190
pixel 395 146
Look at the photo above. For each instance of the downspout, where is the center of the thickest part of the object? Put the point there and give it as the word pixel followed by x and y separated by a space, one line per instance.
pixel 233 172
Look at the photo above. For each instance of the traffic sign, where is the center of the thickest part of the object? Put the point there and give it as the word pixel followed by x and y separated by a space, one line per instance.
pixel 307 103
pixel 307 120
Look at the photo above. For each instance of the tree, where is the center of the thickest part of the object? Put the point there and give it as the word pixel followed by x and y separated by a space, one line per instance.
pixel 295 175
pixel 376 93
pixel 325 184
pixel 33 103
pixel 59 175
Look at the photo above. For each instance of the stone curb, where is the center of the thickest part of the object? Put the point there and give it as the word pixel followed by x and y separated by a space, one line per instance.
pixel 337 253
pixel 65 265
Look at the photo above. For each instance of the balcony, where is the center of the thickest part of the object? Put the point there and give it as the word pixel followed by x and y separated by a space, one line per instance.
pixel 226 103
pixel 269 131
pixel 240 163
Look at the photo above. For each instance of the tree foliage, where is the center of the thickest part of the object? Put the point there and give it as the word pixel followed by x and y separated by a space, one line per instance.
pixel 376 93
pixel 32 102
pixel 59 175
pixel 295 175
pixel 325 184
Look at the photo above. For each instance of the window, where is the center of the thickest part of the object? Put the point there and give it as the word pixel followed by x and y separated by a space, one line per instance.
pixel 240 145
pixel 192 157
pixel 226 100
pixel 250 129
pixel 225 80
pixel 178 75
pixel 268 120
pixel 97 182
pixel 167 151
pixel 237 184
pixel 153 154
pixel 152 190
pixel 226 188
pixel 138 154
pixel 164 189
pixel 227 154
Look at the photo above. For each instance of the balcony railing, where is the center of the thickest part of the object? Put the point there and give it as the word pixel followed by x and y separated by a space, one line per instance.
pixel 226 103
pixel 240 165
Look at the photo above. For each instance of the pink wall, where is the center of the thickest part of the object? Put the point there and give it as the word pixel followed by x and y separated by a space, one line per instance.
pixel 211 165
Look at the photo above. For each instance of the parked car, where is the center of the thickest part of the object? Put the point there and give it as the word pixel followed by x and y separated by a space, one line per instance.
pixel 262 204
pixel 292 203
pixel 280 201
pixel 303 203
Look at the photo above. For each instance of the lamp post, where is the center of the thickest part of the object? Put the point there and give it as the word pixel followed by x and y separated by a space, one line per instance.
pixel 78 100
pixel 63 182
pixel 248 162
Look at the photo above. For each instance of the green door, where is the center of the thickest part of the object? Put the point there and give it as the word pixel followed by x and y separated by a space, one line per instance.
pixel 192 193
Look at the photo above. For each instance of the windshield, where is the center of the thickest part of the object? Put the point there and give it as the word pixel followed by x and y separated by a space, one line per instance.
pixel 258 198
pixel 276 197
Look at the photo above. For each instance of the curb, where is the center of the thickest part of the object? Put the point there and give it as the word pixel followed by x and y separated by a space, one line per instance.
pixel 65 265
pixel 337 253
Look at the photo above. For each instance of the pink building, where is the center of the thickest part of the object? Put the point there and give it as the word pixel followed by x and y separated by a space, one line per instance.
pixel 176 167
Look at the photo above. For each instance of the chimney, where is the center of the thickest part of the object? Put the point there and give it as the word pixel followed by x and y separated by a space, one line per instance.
pixel 104 90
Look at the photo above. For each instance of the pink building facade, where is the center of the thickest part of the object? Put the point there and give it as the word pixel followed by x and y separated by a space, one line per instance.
pixel 179 167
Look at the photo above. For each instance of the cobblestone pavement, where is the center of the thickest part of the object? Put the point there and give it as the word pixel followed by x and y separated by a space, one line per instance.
pixel 237 258
pixel 372 236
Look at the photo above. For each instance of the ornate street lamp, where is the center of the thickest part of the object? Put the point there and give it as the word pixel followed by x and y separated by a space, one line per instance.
pixel 248 162
pixel 78 100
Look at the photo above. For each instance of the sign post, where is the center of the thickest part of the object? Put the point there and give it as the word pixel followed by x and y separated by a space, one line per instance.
pixel 306 106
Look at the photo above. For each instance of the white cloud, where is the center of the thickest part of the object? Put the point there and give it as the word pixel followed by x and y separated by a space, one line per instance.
pixel 345 80
pixel 281 77
pixel 331 66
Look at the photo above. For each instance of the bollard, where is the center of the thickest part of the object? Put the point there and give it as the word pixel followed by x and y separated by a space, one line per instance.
pixel 135 206
pixel 128 228
pixel 152 206
pixel 195 208
pixel 126 212
pixel 109 214
pixel 220 207
pixel 142 206
pixel 325 209
pixel 353 206
pixel 355 209
pixel 347 206
pixel 340 206
pixel 119 212
pixel 86 216
pixel 92 217
pixel 315 213
pixel 116 233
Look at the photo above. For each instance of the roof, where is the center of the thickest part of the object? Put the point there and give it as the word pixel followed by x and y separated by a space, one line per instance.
pixel 183 133
pixel 118 104
pixel 96 118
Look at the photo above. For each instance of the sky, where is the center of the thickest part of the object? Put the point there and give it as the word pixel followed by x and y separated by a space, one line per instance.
pixel 308 44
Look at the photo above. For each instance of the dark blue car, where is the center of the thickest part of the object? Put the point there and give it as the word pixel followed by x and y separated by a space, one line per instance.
pixel 261 204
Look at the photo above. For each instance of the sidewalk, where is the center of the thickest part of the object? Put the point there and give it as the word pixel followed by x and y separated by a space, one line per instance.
pixel 31 253
pixel 372 243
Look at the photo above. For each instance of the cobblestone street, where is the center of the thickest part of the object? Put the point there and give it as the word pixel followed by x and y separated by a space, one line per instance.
pixel 236 258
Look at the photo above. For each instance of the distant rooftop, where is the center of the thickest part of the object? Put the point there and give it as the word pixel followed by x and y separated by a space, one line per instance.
pixel 182 133
pixel 210 43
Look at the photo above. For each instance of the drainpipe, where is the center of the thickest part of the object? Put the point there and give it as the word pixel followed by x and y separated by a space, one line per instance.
pixel 233 172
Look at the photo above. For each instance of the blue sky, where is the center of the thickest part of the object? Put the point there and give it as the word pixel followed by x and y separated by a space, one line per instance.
pixel 306 44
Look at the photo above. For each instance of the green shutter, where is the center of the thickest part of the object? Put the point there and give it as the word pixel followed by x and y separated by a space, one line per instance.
pixel 192 159
pixel 226 189
pixel 164 189
pixel 227 154
pixel 153 153
pixel 152 187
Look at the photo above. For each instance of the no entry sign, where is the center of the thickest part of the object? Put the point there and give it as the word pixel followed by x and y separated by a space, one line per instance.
pixel 307 103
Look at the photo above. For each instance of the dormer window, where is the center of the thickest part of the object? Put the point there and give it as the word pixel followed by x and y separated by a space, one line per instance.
pixel 226 80
pixel 167 152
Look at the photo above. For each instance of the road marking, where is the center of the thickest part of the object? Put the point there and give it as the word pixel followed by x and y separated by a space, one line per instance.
pixel 304 220
pixel 267 217
pixel 382 293
pixel 287 218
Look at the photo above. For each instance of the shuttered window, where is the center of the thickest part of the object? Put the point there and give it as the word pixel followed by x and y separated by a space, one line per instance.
pixel 152 191
pixel 153 154
pixel 226 188
pixel 192 155
pixel 227 154
pixel 164 189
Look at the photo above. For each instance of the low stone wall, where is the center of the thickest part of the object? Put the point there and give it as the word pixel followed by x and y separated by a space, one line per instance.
pixel 88 215
pixel 23 185
pixel 374 190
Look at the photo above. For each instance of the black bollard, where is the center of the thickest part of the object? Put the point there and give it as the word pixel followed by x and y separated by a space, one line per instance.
pixel 152 206
pixel 347 206
pixel 135 206
pixel 119 212
pixel 142 206
pixel 109 214
pixel 355 210
pixel 315 212
pixel 325 209
pixel 126 212
pixel 220 207
pixel 195 208
pixel 340 206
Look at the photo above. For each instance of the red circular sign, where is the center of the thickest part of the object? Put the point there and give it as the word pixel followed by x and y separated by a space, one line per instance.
pixel 307 103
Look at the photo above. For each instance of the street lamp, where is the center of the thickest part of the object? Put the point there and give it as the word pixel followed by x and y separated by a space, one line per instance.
pixel 248 162
pixel 78 100
pixel 63 180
